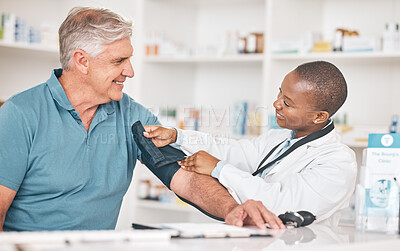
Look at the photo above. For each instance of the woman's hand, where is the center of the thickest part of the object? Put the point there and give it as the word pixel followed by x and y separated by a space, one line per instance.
pixel 200 162
pixel 255 213
pixel 161 136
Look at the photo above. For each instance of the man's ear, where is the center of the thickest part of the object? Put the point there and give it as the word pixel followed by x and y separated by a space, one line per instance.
pixel 81 61
pixel 321 117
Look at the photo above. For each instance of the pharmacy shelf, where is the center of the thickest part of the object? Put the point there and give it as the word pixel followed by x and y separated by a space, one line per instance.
pixel 337 55
pixel 151 204
pixel 30 47
pixel 256 58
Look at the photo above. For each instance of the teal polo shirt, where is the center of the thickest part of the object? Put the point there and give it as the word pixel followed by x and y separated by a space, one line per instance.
pixel 66 177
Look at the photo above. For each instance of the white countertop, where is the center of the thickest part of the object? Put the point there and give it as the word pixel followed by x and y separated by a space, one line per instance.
pixel 314 237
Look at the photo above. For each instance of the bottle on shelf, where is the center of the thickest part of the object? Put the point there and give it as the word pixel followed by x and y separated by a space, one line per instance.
pixel 152 44
pixel 144 189
pixel 337 44
pixel 7 33
pixel 391 38
pixel 148 190
pixel 251 43
pixel 395 124
pixel 228 45
pixel 242 43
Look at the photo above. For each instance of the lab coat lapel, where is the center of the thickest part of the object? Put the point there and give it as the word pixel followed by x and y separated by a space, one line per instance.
pixel 282 144
pixel 289 162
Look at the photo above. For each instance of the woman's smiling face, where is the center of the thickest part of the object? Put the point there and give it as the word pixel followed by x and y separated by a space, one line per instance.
pixel 295 108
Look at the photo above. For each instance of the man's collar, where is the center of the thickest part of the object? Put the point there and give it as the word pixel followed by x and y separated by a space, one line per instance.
pixel 59 95
pixel 57 91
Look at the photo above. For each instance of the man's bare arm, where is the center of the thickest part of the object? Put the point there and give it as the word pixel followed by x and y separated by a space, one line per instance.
pixel 204 191
pixel 212 197
pixel 6 197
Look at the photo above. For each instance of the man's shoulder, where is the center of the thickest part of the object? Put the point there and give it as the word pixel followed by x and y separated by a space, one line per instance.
pixel 26 104
pixel 29 95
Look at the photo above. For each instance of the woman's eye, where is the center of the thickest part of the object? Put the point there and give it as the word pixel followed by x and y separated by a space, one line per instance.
pixel 286 103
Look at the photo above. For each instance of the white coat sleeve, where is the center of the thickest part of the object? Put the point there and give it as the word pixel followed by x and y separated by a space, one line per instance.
pixel 243 154
pixel 322 187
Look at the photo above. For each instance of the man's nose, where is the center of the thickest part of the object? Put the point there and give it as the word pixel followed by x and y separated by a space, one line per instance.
pixel 128 70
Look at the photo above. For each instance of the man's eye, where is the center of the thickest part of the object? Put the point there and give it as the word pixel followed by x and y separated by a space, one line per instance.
pixel 119 61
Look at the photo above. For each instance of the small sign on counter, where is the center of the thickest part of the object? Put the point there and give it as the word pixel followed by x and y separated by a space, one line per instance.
pixel 377 195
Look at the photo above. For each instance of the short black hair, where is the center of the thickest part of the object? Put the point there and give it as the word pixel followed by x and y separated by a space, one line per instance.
pixel 328 83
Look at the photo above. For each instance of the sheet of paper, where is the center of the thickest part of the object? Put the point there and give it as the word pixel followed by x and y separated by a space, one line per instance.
pixel 213 230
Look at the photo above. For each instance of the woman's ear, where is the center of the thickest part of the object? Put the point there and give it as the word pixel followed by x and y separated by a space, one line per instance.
pixel 321 117
pixel 80 60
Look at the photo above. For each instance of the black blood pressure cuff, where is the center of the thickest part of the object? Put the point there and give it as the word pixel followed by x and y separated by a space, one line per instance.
pixel 161 161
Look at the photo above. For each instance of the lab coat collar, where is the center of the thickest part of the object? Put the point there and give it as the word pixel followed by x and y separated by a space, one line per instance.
pixel 294 156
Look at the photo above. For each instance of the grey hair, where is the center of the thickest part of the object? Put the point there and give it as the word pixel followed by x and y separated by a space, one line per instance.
pixel 89 29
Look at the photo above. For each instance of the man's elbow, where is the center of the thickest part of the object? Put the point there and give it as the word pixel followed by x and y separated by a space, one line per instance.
pixel 182 183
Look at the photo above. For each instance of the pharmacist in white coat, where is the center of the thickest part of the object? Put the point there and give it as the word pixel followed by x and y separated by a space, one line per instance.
pixel 302 167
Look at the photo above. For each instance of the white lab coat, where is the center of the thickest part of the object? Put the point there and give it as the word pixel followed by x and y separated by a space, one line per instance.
pixel 318 177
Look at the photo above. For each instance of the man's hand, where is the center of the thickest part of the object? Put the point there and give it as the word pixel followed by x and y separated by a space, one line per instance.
pixel 200 162
pixel 160 136
pixel 253 213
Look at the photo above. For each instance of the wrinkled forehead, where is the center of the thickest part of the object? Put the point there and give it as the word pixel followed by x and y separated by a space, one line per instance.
pixel 122 48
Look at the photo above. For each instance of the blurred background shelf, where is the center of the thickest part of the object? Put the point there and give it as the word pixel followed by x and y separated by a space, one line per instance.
pixel 245 58
pixel 150 204
pixel 338 55
pixel 29 47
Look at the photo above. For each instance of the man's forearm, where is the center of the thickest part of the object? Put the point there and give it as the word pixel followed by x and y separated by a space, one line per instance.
pixel 204 191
